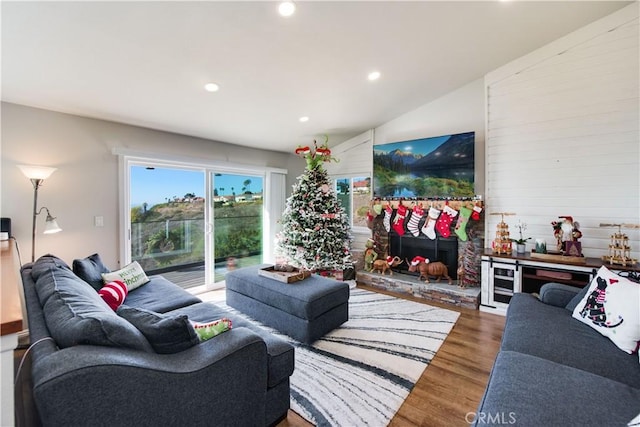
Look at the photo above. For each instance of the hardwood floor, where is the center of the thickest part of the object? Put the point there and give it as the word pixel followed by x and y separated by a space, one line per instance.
pixel 452 385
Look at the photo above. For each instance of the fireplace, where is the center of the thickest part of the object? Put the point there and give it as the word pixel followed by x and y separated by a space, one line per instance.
pixel 440 249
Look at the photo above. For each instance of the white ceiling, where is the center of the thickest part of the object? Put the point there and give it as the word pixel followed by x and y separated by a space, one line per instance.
pixel 145 63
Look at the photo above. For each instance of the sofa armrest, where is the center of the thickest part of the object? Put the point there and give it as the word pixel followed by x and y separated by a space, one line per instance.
pixel 557 294
pixel 221 381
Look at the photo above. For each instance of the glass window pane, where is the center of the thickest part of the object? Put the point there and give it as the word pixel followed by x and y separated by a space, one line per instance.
pixel 361 200
pixel 167 220
pixel 237 224
pixel 343 191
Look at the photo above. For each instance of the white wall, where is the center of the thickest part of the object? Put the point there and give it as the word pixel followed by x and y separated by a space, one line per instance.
pixel 563 134
pixel 86 182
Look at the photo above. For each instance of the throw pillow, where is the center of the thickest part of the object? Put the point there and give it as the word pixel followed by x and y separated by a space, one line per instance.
pixel 611 307
pixel 114 293
pixel 132 275
pixel 90 270
pixel 166 333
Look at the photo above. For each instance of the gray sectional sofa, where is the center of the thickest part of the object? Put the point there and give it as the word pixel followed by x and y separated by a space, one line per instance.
pixel 553 370
pixel 92 367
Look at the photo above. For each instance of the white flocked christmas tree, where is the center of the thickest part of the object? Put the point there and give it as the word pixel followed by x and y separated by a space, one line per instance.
pixel 315 228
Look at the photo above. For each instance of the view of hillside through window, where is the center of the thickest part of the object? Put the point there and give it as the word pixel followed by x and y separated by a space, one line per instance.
pixel 169 230
pixel 355 195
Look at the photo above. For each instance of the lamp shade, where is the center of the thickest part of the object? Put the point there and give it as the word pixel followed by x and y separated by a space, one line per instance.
pixel 51 225
pixel 36 172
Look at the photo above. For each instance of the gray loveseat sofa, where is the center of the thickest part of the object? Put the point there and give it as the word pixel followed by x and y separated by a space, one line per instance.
pixel 553 370
pixel 92 367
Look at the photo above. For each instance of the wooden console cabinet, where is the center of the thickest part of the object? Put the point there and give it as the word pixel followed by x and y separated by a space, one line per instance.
pixel 11 313
pixel 504 275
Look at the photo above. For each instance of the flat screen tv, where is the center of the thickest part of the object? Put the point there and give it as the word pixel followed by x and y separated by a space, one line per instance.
pixel 441 166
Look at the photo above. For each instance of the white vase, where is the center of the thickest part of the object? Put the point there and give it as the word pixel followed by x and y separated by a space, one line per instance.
pixel 520 248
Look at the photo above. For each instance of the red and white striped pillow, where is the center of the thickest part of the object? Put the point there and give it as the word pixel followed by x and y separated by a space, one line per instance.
pixel 114 293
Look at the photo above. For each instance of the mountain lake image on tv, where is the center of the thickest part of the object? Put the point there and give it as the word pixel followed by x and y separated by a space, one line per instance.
pixel 441 166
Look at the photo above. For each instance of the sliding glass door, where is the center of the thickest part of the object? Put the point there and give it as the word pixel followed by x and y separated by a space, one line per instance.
pixel 193 224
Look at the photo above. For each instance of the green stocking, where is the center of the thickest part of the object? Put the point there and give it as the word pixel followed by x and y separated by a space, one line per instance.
pixel 209 330
pixel 461 225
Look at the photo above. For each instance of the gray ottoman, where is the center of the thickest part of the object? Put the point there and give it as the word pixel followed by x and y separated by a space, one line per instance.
pixel 304 310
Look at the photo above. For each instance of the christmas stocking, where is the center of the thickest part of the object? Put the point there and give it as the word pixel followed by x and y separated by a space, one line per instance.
pixel 386 221
pixel 443 224
pixel 209 330
pixel 430 224
pixel 475 215
pixel 398 221
pixel 416 215
pixel 461 225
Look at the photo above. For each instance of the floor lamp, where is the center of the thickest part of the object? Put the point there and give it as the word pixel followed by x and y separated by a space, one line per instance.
pixel 37 175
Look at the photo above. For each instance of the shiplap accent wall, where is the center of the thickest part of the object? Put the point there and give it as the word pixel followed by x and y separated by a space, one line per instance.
pixel 562 135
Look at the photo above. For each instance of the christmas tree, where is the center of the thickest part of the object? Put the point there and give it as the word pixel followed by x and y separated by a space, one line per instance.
pixel 315 228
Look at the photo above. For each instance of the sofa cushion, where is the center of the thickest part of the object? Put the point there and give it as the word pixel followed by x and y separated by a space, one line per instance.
pixel 165 333
pixel 75 313
pixel 529 391
pixel 131 274
pixel 160 295
pixel 557 294
pixel 612 307
pixel 551 333
pixel 90 270
pixel 577 298
pixel 281 353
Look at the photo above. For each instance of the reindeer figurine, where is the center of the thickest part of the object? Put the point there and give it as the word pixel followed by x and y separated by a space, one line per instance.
pixel 426 269
pixel 382 265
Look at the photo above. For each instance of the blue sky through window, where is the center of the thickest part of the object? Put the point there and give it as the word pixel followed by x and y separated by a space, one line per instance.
pixel 155 186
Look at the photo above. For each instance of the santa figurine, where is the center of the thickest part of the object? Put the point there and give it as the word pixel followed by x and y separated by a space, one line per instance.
pixel 569 232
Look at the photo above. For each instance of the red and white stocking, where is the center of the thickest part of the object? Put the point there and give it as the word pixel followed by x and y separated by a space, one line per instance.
pixel 429 227
pixel 475 215
pixel 416 216
pixel 443 224
pixel 398 220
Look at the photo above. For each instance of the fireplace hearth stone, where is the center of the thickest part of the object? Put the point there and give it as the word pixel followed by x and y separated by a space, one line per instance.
pixel 410 285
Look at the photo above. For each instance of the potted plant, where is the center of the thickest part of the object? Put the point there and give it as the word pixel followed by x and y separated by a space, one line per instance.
pixel 521 242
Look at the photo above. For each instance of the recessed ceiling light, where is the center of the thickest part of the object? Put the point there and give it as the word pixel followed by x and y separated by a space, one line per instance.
pixel 211 87
pixel 304 119
pixel 374 75
pixel 286 8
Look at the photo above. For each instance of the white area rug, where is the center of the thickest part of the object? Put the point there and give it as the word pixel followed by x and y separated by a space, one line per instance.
pixel 360 373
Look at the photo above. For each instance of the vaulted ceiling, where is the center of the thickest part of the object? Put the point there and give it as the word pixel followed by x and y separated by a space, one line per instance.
pixel 146 63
